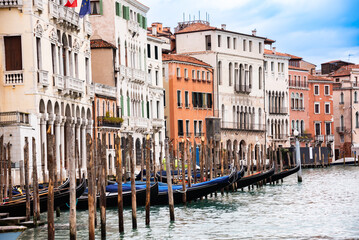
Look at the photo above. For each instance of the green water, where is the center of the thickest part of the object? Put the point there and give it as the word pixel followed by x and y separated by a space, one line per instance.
pixel 324 206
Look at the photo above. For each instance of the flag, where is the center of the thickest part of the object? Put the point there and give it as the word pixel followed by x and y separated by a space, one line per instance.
pixel 85 8
pixel 71 3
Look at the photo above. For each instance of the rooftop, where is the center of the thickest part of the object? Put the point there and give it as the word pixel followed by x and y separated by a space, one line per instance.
pixel 319 78
pixel 336 61
pixel 344 70
pixel 183 58
pixel 99 43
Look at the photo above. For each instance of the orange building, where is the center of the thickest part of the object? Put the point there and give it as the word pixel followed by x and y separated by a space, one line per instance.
pixel 188 84
pixel 321 110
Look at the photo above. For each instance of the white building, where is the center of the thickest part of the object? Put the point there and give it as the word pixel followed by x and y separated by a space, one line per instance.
pixel 237 59
pixel 46 79
pixel 277 97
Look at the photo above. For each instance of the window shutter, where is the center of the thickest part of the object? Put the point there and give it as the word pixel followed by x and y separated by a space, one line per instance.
pixel 122 110
pixel 101 8
pixel 144 22
pixel 128 107
pixel 117 9
pixel 143 110
pixel 127 13
pixel 139 19
pixel 13 55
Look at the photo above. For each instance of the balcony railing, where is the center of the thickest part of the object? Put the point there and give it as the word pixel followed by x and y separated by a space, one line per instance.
pixel 156 122
pixel 242 127
pixel 39 5
pixel 54 9
pixel 341 130
pixel 10 3
pixel 138 75
pixel 90 90
pixel 43 78
pixel 74 84
pixel 245 88
pixel 13 78
pixel 199 134
pixel 140 122
pixel 280 137
pixel 132 26
pixel 109 122
pixel 319 138
pixel 7 118
pixel 69 16
pixel 282 110
pixel 105 90
pixel 88 28
pixel 330 138
pixel 59 82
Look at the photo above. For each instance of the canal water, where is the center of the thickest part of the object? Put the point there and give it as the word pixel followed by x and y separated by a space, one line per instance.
pixel 324 206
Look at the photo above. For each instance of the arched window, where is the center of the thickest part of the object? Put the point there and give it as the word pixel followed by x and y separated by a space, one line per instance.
pixel 98 107
pixel 259 118
pixel 302 127
pixel 342 121
pixel 292 98
pixel 230 73
pixel 355 97
pixel 103 108
pixel 220 73
pixel 293 125
pixel 223 119
pixel 250 77
pixel 301 101
pixel 297 125
pixel 296 101
pixel 260 78
pixel 341 98
pixel 357 119
pixel 240 77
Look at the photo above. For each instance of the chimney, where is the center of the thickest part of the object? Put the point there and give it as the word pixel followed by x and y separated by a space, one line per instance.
pixel 273 49
pixel 154 31
pixel 254 32
pixel 223 26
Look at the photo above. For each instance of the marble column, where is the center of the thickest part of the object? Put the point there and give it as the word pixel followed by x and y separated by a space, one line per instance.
pixel 62 141
pixel 83 145
pixel 43 149
pixel 58 141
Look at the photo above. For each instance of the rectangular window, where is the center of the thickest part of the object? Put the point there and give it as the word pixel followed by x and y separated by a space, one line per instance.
pixel 200 128
pixel 234 43
pixel 158 109
pixel 317 129
pixel 194 99
pixel 208 76
pixel 282 67
pixel 316 89
pixel 87 67
pixel 209 100
pixel 53 57
pixel 327 108
pixel 178 72
pixel 96 7
pixel 13 54
pixel 328 128
pixel 260 47
pixel 290 79
pixel 228 42
pixel 118 9
pixel 195 127
pixel 326 90
pixel 193 74
pixel 219 40
pixel 316 108
pixel 126 12
pixel 179 102
pixel 244 44
pixel 188 130
pixel 186 99
pixel 278 67
pixel 148 50
pixel 203 76
pixel 265 65
pixel 250 46
pixel 76 56
pixel 180 127
pixel 164 98
pixel 156 52
pixel 156 76
pixel 272 66
pixel 208 42
pixel 186 73
pixel 198 75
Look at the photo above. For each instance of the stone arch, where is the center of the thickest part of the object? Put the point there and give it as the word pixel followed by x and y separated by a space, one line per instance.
pixel 49 107
pixel 42 106
pixel 83 114
pixel 68 111
pixel 57 108
pixel 89 115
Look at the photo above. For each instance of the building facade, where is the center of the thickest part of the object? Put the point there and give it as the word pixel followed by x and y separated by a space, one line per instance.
pixel 189 97
pixel 46 80
pixel 237 60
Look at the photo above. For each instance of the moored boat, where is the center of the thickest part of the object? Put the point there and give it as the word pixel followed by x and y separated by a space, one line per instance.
pixel 284 173
pixel 254 178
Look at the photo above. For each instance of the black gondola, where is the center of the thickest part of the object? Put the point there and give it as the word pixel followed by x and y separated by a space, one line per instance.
pixel 283 174
pixel 254 178
pixel 61 197
pixel 195 191
pixel 111 197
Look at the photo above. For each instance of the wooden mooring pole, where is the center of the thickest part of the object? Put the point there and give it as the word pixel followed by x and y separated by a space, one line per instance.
pixel 9 169
pixel 35 183
pixel 133 184
pixel 183 161
pixel 121 228
pixel 169 182
pixel 72 175
pixel 103 187
pixel 5 172
pixel 91 186
pixel 148 178
pixel 27 188
pixel 50 195
pixel 1 169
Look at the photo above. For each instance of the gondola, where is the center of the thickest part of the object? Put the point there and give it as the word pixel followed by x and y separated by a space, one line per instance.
pixel 174 176
pixel 111 197
pixel 254 178
pixel 194 192
pixel 283 174
pixel 17 208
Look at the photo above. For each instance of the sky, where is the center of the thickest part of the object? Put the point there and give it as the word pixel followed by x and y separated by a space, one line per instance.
pixel 316 30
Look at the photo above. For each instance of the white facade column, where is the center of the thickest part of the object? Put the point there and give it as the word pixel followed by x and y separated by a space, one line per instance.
pixel 62 149
pixel 58 142
pixel 43 148
pixel 83 145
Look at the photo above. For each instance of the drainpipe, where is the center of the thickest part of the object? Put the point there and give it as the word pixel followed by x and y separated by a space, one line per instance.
pixel 217 84
pixel 264 109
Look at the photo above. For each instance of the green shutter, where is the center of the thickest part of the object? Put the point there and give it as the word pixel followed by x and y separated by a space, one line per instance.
pixel 126 13
pixel 143 110
pixel 122 110
pixel 128 107
pixel 117 9
pixel 144 22
pixel 101 8
pixel 139 18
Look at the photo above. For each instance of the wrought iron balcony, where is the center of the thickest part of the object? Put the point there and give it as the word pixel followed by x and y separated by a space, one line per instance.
pixel 13 78
pixel 8 118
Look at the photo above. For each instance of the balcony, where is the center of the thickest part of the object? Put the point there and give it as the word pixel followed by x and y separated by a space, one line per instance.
pixel 138 76
pixel 105 90
pixel 245 88
pixel 282 110
pixel 188 134
pixel 242 127
pixel 8 118
pixel 10 3
pixel 59 82
pixel 341 130
pixel 112 122
pixel 319 138
pixel 90 90
pixel 304 137
pixel 74 85
pixel 280 137
pixel 88 28
pixel 54 9
pixel 140 122
pixel 133 26
pixel 39 5
pixel 198 134
pixel 68 16
pixel 13 78
pixel 43 78
pixel 330 138
pixel 157 123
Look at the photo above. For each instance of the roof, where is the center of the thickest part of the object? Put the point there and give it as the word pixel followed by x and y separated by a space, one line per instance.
pixel 319 78
pixel 99 43
pixel 336 61
pixel 297 68
pixel 183 58
pixel 271 52
pixel 197 27
pixel 344 70
pixel 268 41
